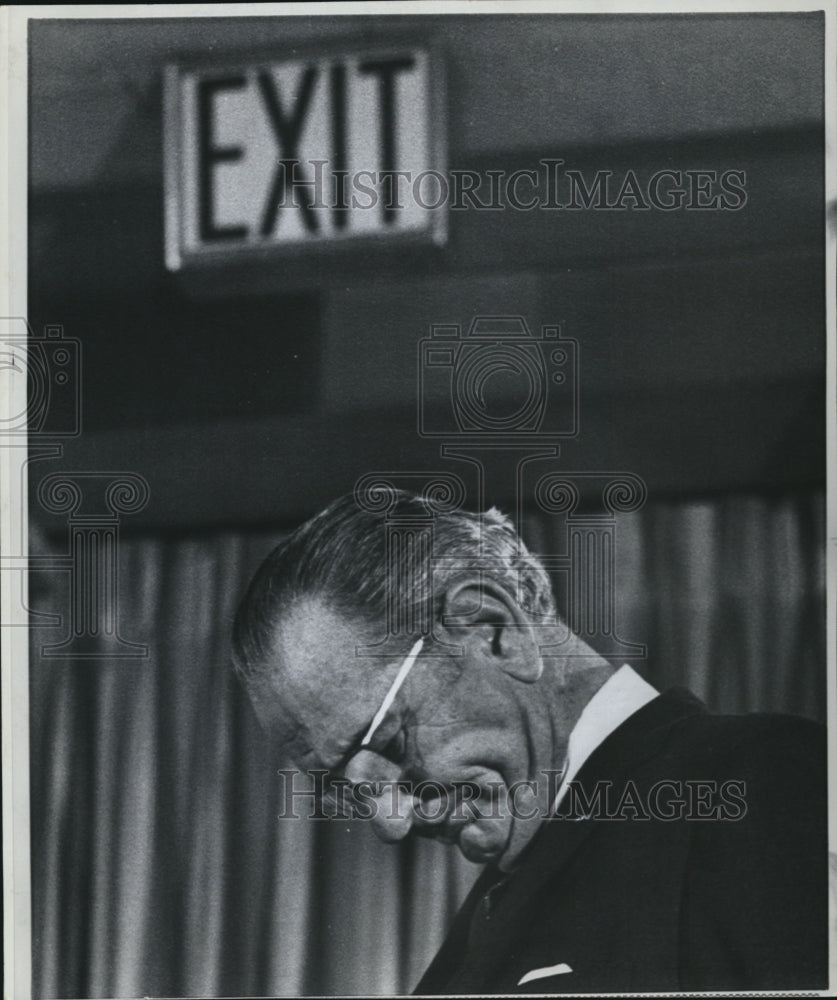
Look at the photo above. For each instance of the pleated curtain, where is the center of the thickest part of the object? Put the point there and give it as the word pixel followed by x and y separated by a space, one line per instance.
pixel 159 863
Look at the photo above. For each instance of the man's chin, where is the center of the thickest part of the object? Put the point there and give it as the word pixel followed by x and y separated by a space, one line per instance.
pixel 496 841
pixel 521 835
pixel 484 840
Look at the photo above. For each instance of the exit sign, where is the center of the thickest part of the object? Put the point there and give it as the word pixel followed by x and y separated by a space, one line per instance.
pixel 304 153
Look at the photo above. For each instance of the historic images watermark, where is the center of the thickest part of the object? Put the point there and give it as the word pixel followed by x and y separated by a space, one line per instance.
pixel 316 794
pixel 315 186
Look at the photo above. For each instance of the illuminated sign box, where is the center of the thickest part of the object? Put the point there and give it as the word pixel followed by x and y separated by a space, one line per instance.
pixel 304 153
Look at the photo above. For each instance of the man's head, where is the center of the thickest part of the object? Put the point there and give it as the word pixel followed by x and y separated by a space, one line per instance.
pixel 466 713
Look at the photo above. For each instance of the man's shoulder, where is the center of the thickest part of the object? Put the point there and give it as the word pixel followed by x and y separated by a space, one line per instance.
pixel 750 731
pixel 675 735
pixel 757 743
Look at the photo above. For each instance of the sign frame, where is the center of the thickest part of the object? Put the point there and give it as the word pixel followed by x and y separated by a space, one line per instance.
pixel 180 259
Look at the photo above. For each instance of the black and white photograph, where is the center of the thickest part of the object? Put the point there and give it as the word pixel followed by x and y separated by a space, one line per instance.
pixel 417 456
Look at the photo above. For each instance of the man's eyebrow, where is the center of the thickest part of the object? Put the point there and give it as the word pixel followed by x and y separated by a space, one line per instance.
pixel 400 677
pixel 348 748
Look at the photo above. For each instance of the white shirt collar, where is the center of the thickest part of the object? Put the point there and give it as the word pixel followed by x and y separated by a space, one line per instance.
pixel 622 694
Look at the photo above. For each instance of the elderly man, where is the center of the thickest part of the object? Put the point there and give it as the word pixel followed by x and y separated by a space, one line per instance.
pixel 632 840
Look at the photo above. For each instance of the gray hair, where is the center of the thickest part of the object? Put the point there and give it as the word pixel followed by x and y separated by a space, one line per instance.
pixel 343 556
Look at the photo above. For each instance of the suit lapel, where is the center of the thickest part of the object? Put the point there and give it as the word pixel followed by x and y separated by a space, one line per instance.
pixel 448 960
pixel 639 738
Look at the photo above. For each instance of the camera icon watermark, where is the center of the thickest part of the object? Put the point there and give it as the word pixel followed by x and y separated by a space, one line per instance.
pixel 48 368
pixel 498 380
pixel 40 408
pixel 502 399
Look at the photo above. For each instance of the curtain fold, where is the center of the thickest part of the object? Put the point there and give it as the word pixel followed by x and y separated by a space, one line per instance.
pixel 159 864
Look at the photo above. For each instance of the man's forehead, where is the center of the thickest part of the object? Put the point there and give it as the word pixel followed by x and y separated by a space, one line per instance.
pixel 320 684
pixel 316 645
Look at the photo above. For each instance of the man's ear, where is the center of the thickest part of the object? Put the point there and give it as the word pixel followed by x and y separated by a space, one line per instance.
pixel 491 626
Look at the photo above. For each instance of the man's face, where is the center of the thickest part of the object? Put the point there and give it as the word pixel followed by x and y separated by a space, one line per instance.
pixel 467 726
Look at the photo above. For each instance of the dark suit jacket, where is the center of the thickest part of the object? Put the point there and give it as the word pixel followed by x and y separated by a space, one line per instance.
pixel 637 904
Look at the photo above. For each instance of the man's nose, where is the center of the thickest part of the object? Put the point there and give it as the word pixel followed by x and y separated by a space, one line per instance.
pixel 394 813
pixel 398 810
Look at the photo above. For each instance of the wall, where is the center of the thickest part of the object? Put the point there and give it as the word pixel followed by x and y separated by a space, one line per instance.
pixel 701 332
